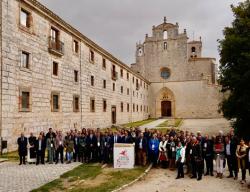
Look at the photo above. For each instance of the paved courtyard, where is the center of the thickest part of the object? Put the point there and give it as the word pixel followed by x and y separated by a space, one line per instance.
pixel 15 178
pixel 161 180
pixel 206 126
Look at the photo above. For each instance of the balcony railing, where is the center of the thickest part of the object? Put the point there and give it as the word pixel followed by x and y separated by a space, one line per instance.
pixel 114 75
pixel 56 46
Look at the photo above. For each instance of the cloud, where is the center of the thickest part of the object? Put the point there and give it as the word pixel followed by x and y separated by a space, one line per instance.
pixel 117 25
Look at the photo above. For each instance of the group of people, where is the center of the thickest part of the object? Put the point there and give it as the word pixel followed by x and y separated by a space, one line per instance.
pixel 170 150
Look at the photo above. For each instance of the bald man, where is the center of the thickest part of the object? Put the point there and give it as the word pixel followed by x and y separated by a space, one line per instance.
pixel 22 148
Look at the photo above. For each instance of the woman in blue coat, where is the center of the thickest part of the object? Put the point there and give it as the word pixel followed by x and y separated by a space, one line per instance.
pixel 154 149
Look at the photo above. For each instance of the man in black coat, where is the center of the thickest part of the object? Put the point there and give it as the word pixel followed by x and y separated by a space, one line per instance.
pixel 40 147
pixel 141 147
pixel 208 154
pixel 91 144
pixel 196 159
pixel 230 152
pixel 22 148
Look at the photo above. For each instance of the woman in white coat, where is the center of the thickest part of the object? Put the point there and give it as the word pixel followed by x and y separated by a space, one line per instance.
pixel 163 158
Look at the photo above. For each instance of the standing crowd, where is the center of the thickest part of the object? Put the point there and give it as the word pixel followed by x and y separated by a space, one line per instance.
pixel 172 150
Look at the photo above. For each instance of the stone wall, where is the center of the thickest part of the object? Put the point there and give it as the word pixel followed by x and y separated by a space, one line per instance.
pixel 41 82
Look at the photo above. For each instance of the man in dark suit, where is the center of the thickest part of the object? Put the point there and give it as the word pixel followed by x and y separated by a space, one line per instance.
pixel 208 154
pixel 76 147
pixel 40 147
pixel 196 159
pixel 91 144
pixel 22 148
pixel 230 151
pixel 141 147
pixel 128 138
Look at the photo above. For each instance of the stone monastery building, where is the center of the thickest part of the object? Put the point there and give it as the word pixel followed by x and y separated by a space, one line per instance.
pixel 54 76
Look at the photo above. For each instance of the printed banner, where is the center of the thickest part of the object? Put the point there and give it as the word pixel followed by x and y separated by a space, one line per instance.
pixel 124 156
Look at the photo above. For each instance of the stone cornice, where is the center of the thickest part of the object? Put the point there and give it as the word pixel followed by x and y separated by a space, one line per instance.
pixel 67 27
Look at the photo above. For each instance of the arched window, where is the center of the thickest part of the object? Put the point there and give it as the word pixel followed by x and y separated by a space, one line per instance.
pixel 193 50
pixel 165 73
pixel 165 46
pixel 165 34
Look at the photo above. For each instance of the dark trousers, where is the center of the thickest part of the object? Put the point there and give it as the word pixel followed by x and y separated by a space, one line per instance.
pixel 22 158
pixel 209 164
pixel 180 173
pixel 99 154
pixel 90 154
pixel 196 169
pixel 76 154
pixel 106 156
pixel 153 157
pixel 40 156
pixel 59 150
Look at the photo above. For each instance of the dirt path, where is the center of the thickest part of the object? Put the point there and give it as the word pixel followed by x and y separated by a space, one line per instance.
pixel 159 180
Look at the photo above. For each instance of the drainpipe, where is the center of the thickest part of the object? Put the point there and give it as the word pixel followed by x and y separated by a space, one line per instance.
pixel 1 63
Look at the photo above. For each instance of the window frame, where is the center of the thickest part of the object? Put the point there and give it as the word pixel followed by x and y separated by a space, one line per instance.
pixel 28 60
pixel 26 90
pixel 92 104
pixel 104 105
pixel 55 93
pixel 76 76
pixel 76 109
pixel 57 71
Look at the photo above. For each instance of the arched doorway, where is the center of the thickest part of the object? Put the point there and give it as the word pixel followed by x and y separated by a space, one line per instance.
pixel 166 109
pixel 165 103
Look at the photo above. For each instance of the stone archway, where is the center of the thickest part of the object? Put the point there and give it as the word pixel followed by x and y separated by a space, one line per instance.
pixel 165 103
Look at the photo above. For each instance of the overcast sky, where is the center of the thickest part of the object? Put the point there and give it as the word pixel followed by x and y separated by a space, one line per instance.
pixel 116 25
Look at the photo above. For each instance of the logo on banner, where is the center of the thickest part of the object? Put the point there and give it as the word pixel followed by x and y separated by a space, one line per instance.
pixel 123 158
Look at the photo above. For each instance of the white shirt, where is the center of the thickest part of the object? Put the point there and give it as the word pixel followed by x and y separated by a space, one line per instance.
pixel 140 144
pixel 228 149
pixel 40 145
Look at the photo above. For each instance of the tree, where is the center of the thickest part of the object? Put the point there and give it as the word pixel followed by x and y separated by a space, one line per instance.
pixel 235 70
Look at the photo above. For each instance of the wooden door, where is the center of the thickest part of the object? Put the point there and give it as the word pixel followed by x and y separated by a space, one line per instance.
pixel 166 109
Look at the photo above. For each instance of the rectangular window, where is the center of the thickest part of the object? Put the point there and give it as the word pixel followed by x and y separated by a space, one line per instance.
pixel 127 76
pixel 121 71
pixel 103 63
pixel 54 102
pixel 133 93
pixel 113 86
pixel 133 107
pixel 121 89
pixel 76 103
pixel 75 46
pixel 127 107
pixel 141 108
pixel 25 18
pixel 104 105
pixel 25 101
pixel 133 79
pixel 127 91
pixel 121 106
pixel 92 105
pixel 92 80
pixel 92 56
pixel 104 84
pixel 137 108
pixel 76 75
pixel 25 60
pixel 54 36
pixel 55 68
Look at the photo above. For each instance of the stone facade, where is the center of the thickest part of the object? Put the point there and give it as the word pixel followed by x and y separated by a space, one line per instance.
pixel 183 83
pixel 54 76
pixel 79 74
